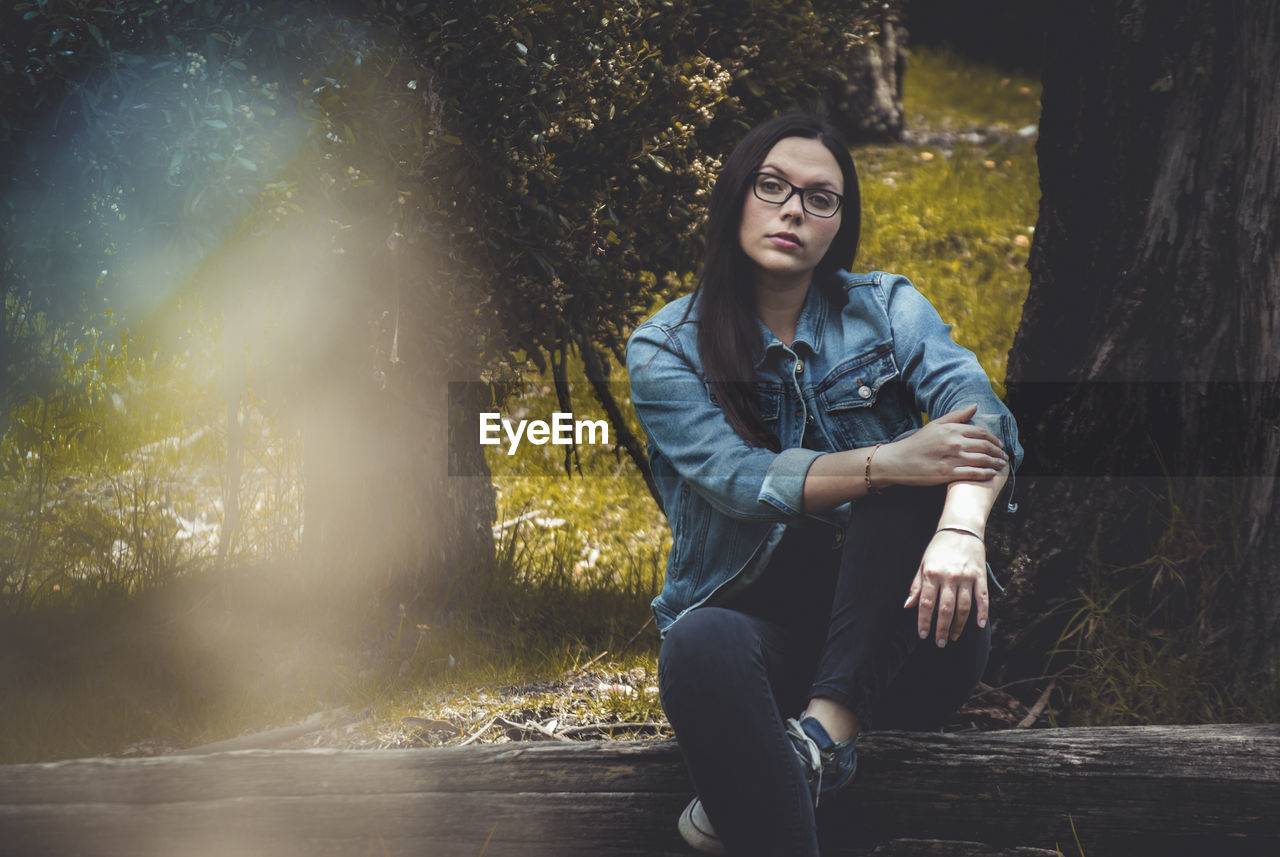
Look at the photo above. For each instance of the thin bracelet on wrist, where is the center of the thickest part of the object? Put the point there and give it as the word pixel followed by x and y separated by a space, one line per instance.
pixel 964 530
pixel 866 473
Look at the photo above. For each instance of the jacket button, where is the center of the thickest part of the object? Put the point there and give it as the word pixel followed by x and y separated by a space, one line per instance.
pixel 864 391
pixel 799 366
pixel 809 420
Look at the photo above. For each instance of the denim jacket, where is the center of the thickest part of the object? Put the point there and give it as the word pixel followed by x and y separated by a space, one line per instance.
pixel 854 378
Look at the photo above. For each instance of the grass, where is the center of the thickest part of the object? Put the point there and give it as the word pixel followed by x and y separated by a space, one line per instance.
pixel 1147 641
pixel 946 91
pixel 958 219
pixel 960 228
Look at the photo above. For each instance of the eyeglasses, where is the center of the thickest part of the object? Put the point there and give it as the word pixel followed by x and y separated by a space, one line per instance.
pixel 817 201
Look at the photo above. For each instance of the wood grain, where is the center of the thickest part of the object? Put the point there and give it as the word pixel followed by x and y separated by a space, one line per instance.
pixel 1130 791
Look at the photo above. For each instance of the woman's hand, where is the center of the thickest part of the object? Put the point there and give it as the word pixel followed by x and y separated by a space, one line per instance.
pixel 948 449
pixel 951 580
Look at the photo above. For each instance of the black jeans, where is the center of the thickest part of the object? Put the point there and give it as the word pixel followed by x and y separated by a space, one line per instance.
pixel 825 619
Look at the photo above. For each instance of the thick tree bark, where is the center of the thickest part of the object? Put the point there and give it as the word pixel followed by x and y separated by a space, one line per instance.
pixel 1147 362
pixel 1127 792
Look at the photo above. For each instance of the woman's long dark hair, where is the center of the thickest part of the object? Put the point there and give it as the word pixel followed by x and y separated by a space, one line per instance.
pixel 728 336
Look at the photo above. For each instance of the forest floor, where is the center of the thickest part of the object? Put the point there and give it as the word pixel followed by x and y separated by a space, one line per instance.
pixel 593 705
pixel 604 702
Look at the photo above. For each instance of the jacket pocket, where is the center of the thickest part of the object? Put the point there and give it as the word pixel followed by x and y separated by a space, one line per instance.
pixel 864 400
pixel 769 398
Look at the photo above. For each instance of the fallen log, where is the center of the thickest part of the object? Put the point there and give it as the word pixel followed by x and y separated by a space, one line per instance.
pixel 1128 791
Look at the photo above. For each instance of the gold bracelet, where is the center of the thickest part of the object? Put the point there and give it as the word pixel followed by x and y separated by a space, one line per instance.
pixel 866 473
pixel 964 530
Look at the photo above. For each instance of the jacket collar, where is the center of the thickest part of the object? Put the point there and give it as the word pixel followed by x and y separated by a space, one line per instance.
pixel 809 327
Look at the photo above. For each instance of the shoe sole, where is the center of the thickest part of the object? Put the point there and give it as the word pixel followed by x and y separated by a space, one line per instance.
pixel 701 840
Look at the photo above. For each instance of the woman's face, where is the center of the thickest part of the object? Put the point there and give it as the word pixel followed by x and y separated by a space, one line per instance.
pixel 785 242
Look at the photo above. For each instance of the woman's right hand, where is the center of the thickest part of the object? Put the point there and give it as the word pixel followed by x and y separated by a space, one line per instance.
pixel 946 450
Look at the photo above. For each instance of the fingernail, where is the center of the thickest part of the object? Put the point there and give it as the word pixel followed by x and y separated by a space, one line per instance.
pixel 982 623
pixel 942 642
pixel 907 603
pixel 924 633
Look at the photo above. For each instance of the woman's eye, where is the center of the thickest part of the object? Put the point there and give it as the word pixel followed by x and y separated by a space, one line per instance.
pixel 821 201
pixel 770 185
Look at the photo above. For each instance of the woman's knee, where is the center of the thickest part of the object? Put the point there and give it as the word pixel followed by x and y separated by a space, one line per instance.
pixel 709 653
pixel 706 639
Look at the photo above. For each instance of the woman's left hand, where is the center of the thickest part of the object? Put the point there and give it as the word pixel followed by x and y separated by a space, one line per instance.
pixel 951 580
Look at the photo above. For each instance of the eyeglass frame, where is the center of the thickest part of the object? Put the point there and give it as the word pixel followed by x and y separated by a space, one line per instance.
pixel 755 180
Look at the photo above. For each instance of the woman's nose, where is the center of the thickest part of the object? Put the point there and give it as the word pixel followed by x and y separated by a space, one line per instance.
pixel 793 206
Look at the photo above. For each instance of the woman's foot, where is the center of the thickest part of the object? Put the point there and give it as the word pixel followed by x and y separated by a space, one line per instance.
pixel 697 831
pixel 828 765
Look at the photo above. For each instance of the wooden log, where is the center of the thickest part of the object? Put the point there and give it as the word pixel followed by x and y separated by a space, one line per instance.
pixel 1130 791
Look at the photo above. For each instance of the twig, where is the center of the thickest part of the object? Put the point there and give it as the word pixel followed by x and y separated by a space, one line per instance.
pixel 530 726
pixel 625 646
pixel 479 732
pixel 584 667
pixel 1038 708
pixel 590 727
pixel 635 636
pixel 984 688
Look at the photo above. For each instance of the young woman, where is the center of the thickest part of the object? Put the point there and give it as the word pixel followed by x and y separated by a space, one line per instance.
pixel 828 568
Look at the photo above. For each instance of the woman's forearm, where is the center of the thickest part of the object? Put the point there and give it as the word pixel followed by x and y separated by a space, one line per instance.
pixel 968 504
pixel 948 451
pixel 841 477
pixel 835 478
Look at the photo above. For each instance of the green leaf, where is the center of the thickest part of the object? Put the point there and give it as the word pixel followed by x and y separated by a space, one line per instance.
pixel 661 162
pixel 96 33
pixel 451 140
pixel 246 163
pixel 238 66
pixel 216 123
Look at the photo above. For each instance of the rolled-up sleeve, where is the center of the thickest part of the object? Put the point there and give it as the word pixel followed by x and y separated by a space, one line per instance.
pixel 691 432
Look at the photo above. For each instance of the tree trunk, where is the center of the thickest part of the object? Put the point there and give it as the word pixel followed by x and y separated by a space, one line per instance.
pixel 1147 362
pixel 867 106
pixel 364 370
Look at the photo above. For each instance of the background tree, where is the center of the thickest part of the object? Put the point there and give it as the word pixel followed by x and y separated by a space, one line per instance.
pixel 1146 370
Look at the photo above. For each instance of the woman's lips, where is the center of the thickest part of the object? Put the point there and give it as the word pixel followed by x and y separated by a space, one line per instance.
pixel 786 240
